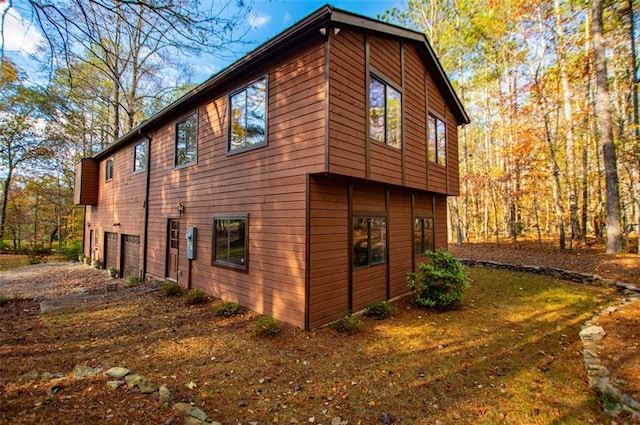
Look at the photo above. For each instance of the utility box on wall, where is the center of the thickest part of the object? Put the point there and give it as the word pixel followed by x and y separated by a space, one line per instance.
pixel 191 243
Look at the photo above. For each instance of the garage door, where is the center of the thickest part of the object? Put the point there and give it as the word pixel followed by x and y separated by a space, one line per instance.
pixel 110 250
pixel 130 256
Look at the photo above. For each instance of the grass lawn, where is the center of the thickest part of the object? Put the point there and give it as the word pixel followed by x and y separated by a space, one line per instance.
pixel 511 355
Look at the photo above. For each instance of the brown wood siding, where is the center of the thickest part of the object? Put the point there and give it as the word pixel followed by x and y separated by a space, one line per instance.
pixel 440 222
pixel 385 58
pixel 368 198
pixel 347 101
pixel 415 141
pixel 400 228
pixel 86 185
pixel 120 207
pixel 267 183
pixel 386 163
pixel 452 156
pixel 329 251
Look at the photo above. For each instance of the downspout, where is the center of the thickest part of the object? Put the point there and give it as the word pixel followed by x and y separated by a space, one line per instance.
pixel 146 206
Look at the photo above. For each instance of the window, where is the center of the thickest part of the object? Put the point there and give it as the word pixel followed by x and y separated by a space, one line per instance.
pixel 385 113
pixel 369 241
pixel 108 171
pixel 230 241
pixel 437 145
pixel 140 157
pixel 248 120
pixel 186 141
pixel 423 235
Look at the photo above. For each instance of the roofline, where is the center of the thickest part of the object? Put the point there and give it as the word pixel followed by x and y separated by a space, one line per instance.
pixel 323 16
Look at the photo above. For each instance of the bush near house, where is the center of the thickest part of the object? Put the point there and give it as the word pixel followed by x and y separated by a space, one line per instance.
pixel 439 284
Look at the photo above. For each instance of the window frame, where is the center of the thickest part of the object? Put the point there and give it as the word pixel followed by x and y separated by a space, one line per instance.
pixel 422 230
pixel 369 218
pixel 183 119
pixel 146 157
pixel 373 76
pixel 440 155
pixel 108 169
pixel 214 242
pixel 245 147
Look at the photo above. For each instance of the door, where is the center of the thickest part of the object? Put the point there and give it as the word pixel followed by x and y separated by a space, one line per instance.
pixel 130 256
pixel 173 245
pixel 111 250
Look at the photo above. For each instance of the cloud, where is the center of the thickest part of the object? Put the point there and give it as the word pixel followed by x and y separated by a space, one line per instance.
pixel 258 21
pixel 287 18
pixel 19 34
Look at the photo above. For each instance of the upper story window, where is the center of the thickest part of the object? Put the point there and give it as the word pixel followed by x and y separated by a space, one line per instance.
pixel 108 170
pixel 385 113
pixel 423 235
pixel 437 143
pixel 140 157
pixel 248 117
pixel 187 141
pixel 369 241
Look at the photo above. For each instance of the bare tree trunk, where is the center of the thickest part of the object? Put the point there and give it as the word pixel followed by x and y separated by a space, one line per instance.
pixel 636 119
pixel 603 108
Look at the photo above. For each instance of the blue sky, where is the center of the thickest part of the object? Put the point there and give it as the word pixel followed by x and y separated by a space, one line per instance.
pixel 266 19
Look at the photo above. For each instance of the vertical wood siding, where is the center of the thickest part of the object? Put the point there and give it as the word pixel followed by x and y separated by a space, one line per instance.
pixel 329 251
pixel 440 222
pixel 86 185
pixel 415 119
pixel 400 228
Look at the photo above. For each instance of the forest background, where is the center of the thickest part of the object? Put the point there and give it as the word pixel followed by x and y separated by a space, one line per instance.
pixel 552 151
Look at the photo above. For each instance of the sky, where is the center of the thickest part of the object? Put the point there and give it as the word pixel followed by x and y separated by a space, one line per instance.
pixel 267 19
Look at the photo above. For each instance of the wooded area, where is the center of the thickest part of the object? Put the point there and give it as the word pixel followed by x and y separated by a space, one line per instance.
pixel 554 135
pixel 552 151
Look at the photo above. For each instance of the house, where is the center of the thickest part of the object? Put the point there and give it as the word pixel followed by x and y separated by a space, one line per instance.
pixel 303 182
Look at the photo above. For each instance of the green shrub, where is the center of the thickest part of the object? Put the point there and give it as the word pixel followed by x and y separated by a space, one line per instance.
pixel 195 296
pixel 172 289
pixel 70 250
pixel 441 283
pixel 349 324
pixel 134 280
pixel 4 300
pixel 227 309
pixel 379 310
pixel 266 326
pixel 37 254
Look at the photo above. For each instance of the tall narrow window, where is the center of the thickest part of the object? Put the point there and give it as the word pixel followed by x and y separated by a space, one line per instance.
pixel 140 157
pixel 385 113
pixel 423 235
pixel 369 241
pixel 186 141
pixel 248 116
pixel 230 241
pixel 108 170
pixel 437 140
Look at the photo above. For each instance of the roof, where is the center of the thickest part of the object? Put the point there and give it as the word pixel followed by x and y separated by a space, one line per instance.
pixel 325 16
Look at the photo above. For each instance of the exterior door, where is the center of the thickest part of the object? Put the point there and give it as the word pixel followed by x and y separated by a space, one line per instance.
pixel 111 250
pixel 173 245
pixel 130 256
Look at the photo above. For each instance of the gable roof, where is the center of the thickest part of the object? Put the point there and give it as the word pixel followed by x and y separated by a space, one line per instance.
pixel 326 16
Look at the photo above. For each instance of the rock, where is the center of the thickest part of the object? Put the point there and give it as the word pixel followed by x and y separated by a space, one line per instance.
pixel 165 394
pixel 30 376
pixel 190 420
pixel 147 387
pixel 134 380
pixel 83 371
pixel 242 404
pixel 631 402
pixel 190 411
pixel 216 423
pixel 117 372
pixel 592 333
pixel 114 385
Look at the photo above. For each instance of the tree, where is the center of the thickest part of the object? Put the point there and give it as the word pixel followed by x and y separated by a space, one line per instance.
pixel 22 139
pixel 603 108
pixel 132 47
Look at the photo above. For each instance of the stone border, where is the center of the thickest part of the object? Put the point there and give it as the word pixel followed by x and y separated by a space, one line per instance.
pixel 591 335
pixel 579 277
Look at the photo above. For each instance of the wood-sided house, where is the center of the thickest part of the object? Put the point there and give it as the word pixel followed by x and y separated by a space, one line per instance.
pixel 304 181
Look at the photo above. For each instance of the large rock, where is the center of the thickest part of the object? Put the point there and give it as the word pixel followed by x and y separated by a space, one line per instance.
pixel 117 372
pixel 165 394
pixel 190 410
pixel 83 371
pixel 592 333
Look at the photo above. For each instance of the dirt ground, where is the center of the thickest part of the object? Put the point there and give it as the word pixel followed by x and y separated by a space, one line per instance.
pixel 19 326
